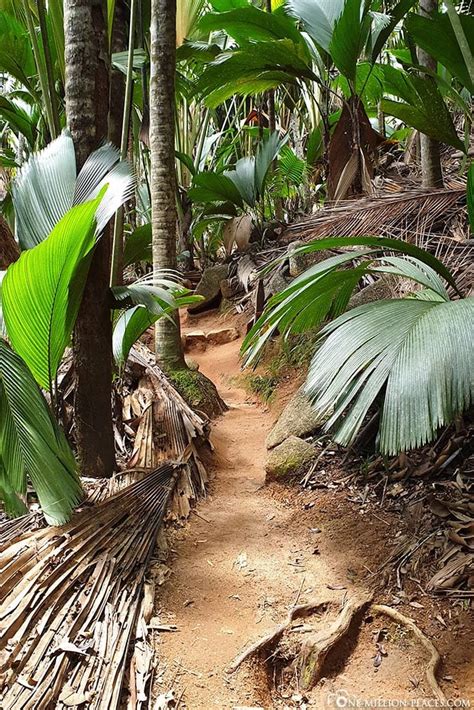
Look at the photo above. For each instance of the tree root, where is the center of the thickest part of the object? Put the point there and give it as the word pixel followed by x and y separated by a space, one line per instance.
pixel 296 612
pixel 435 658
pixel 316 648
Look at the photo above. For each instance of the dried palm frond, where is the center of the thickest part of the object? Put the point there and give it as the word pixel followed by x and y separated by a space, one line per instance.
pixel 71 596
pixel 167 428
pixel 391 215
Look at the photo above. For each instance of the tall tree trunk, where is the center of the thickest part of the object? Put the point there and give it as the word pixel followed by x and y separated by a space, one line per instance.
pixel 87 91
pixel 168 346
pixel 117 79
pixel 432 173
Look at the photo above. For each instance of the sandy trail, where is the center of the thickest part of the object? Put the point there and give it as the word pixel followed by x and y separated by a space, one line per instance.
pixel 235 575
pixel 248 553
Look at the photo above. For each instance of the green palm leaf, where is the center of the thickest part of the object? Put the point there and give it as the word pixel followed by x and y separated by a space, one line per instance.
pixel 42 291
pixel 46 187
pixel 422 105
pixel 16 54
pixel 436 36
pixel 250 23
pixel 32 446
pixel 130 325
pixel 153 296
pixel 416 354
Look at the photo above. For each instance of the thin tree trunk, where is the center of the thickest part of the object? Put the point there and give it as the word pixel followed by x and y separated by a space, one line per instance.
pixel 168 346
pixel 116 116
pixel 117 79
pixel 87 91
pixel 432 173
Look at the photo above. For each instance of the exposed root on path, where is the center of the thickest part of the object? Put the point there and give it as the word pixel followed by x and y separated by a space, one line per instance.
pixel 435 658
pixel 272 638
pixel 309 660
pixel 315 649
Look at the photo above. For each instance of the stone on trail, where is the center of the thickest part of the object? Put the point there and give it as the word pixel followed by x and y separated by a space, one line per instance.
pixel 297 419
pixel 195 339
pixel 221 336
pixel 210 288
pixel 288 458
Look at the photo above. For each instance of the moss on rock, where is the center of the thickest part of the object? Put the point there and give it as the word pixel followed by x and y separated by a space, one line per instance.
pixel 288 458
pixel 198 391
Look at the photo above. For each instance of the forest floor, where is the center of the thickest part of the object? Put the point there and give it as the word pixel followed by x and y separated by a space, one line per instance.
pixel 251 551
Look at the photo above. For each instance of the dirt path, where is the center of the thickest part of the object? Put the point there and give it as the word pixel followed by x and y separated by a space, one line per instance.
pixel 245 557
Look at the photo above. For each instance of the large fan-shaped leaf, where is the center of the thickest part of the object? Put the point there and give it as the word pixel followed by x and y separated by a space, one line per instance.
pixel 138 246
pixel 349 37
pixel 267 151
pixel 306 302
pixel 32 445
pixel 46 187
pixel 213 187
pixel 154 296
pixel 420 351
pixel 44 191
pixel 42 291
pixel 243 177
pixel 18 119
pixel 324 290
pixel 130 325
pixel 318 17
pixel 252 68
pixel 383 32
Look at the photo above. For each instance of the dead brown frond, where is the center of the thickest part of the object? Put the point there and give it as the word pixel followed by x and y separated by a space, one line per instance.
pixel 394 215
pixel 71 596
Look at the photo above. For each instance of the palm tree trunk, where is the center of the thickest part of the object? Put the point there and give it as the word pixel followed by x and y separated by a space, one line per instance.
pixel 432 173
pixel 87 91
pixel 168 347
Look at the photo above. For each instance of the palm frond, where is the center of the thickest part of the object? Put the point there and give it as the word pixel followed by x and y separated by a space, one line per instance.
pixel 32 445
pixel 153 296
pixel 415 354
pixel 387 215
pixel 46 187
pixel 44 190
pixel 41 292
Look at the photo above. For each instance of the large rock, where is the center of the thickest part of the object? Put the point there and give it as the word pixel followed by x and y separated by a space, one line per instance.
pixel 300 262
pixel 384 288
pixel 196 340
pixel 297 419
pixel 288 458
pixel 275 283
pixel 210 288
pixel 220 336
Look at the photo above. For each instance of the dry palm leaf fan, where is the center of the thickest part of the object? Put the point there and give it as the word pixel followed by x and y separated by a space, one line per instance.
pixel 385 215
pixel 71 596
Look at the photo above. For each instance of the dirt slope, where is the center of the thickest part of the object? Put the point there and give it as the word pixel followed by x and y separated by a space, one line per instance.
pixel 248 554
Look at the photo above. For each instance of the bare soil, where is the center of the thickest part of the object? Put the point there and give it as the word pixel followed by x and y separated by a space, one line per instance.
pixel 250 551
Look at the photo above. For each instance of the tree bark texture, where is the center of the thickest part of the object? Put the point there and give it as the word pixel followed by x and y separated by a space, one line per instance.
pixel 117 78
pixel 431 170
pixel 87 108
pixel 168 346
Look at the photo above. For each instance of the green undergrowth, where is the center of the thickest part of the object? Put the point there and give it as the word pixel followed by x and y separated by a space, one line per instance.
pixel 280 360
